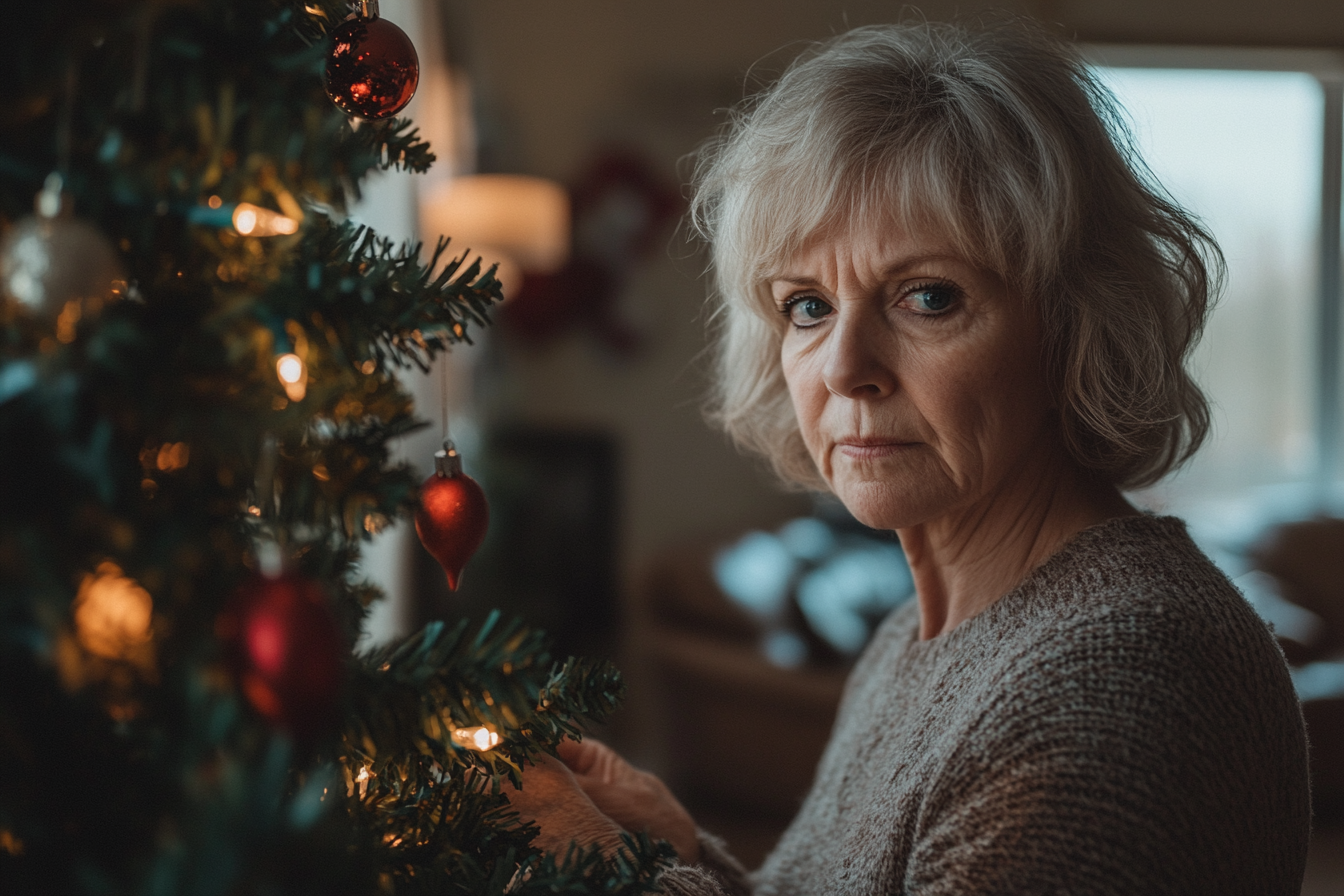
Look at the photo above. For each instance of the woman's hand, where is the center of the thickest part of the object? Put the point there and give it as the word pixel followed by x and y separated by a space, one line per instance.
pixel 636 800
pixel 554 801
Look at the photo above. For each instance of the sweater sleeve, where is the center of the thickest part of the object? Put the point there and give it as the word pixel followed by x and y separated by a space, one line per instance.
pixel 1128 763
pixel 716 874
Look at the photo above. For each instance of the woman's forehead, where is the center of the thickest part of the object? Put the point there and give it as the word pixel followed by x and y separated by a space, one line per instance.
pixel 887 248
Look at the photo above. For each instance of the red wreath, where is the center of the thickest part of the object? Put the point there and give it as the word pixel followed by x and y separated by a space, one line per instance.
pixel 620 208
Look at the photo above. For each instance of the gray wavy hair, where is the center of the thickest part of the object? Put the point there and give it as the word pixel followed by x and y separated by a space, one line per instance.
pixel 1000 140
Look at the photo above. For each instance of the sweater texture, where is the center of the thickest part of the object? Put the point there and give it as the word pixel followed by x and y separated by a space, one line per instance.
pixel 1121 722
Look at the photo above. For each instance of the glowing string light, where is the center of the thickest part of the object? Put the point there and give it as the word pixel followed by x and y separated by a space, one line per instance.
pixel 290 368
pixel 293 375
pixel 10 843
pixel 113 615
pixel 480 739
pixel 362 779
pixel 253 220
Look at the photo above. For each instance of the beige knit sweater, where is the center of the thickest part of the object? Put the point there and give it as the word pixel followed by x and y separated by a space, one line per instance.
pixel 1121 722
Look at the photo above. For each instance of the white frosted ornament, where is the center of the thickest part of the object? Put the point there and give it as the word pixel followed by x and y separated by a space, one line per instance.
pixel 56 268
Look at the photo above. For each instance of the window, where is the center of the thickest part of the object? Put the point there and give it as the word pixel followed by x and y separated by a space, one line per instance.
pixel 1240 138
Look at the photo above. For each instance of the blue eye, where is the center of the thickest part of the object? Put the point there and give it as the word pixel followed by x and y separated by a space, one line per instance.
pixel 805 311
pixel 933 299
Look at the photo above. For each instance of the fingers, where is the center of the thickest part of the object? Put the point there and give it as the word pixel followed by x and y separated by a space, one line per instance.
pixel 634 799
pixel 544 774
pixel 593 762
pixel 543 784
pixel 583 756
pixel 614 785
pixel 552 799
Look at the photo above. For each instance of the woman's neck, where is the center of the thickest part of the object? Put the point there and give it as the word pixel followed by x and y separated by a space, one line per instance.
pixel 966 560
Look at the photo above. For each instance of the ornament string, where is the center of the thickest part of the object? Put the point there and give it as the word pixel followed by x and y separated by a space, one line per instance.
pixel 144 32
pixel 267 499
pixel 443 393
pixel 65 127
pixel 49 197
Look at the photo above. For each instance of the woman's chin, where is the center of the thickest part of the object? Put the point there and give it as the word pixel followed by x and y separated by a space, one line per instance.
pixel 889 505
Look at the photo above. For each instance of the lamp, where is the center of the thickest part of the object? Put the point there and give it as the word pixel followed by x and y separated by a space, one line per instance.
pixel 519 222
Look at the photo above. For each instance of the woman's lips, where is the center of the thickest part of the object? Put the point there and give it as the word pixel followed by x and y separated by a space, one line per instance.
pixel 871 449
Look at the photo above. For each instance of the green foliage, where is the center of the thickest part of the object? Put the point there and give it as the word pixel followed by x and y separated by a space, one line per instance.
pixel 436 800
pixel 155 435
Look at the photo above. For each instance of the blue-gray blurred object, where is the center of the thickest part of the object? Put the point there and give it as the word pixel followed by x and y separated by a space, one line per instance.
pixel 814 582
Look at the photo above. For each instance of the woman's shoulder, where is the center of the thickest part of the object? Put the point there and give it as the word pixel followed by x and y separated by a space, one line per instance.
pixel 1130 555
pixel 1128 688
pixel 1133 610
pixel 1128 610
pixel 1140 574
pixel 1133 630
pixel 1133 590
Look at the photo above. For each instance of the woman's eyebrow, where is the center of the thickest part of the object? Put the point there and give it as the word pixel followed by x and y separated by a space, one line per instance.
pixel 896 267
pixel 795 279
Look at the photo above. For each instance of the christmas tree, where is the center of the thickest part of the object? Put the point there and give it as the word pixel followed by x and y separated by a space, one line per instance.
pixel 198 387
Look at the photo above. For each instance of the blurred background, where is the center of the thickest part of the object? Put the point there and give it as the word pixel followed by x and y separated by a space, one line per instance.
pixel 628 528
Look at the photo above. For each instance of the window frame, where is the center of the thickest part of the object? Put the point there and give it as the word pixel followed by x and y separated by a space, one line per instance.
pixel 1327 67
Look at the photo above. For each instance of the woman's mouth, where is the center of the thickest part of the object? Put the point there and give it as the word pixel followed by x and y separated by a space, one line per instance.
pixel 871 448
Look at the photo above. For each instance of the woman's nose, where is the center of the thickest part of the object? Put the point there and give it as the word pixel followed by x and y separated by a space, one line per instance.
pixel 859 363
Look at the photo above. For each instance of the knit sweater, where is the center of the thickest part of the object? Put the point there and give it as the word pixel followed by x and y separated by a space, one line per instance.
pixel 1120 722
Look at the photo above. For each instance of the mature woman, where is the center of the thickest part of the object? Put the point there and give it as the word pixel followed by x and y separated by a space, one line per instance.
pixel 952 295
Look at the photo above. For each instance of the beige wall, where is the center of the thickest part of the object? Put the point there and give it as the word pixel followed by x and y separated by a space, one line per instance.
pixel 562 67
pixel 556 77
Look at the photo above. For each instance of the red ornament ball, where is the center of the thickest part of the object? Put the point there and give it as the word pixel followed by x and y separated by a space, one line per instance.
pixel 285 651
pixel 452 520
pixel 372 69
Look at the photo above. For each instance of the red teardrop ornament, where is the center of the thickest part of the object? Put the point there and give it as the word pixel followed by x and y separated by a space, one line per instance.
pixel 453 514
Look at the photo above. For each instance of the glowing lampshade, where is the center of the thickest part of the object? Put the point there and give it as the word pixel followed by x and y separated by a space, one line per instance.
pixel 503 217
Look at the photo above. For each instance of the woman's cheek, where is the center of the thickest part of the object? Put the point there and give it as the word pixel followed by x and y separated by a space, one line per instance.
pixel 798 376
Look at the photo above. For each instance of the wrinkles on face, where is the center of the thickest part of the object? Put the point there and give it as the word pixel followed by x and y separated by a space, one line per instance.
pixel 915 375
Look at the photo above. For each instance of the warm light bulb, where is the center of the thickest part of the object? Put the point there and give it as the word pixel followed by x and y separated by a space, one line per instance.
pixel 480 739
pixel 113 614
pixel 10 843
pixel 253 220
pixel 361 779
pixel 293 376
pixel 244 220
pixel 290 368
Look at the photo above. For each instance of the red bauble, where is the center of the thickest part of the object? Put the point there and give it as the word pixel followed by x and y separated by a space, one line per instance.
pixel 453 514
pixel 285 651
pixel 372 69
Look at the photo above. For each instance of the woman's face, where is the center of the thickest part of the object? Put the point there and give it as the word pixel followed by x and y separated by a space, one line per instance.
pixel 916 376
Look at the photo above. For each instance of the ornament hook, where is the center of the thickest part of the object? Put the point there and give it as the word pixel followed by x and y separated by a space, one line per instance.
pixel 50 202
pixel 447 462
